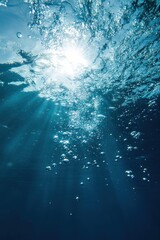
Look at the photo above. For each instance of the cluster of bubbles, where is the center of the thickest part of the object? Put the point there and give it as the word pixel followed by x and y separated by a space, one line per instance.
pixel 123 50
pixel 3 3
pixel 120 40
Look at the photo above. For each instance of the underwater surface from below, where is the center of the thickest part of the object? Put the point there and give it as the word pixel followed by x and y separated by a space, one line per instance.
pixel 79 120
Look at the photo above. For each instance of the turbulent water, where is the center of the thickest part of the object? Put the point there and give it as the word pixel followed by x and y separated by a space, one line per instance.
pixel 81 52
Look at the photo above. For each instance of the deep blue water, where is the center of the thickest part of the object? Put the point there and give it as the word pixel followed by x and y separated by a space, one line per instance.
pixel 79 120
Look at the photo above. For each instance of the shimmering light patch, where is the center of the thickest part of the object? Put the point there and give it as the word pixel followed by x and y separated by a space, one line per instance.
pixel 63 65
pixel 60 68
pixel 74 62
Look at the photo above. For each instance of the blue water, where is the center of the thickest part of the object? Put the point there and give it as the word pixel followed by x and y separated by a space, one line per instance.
pixel 79 120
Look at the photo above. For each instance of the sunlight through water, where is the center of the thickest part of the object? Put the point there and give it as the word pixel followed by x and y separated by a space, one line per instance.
pixel 80 53
pixel 86 69
pixel 63 66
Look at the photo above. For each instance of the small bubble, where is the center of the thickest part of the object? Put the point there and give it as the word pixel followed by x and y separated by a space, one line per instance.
pixel 128 171
pixel 55 137
pixel 135 134
pixel 66 141
pixel 129 148
pixel 48 168
pixel 65 160
pixel 19 35
pixel 102 153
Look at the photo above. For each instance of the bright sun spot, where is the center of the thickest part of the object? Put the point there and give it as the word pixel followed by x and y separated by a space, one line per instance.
pixel 74 61
pixel 69 61
pixel 63 65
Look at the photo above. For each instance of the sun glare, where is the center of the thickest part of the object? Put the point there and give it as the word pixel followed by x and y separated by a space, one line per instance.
pixel 74 61
pixel 63 65
pixel 69 61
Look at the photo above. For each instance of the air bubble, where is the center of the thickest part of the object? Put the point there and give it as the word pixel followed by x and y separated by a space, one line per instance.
pixel 19 35
pixel 65 160
pixel 48 168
